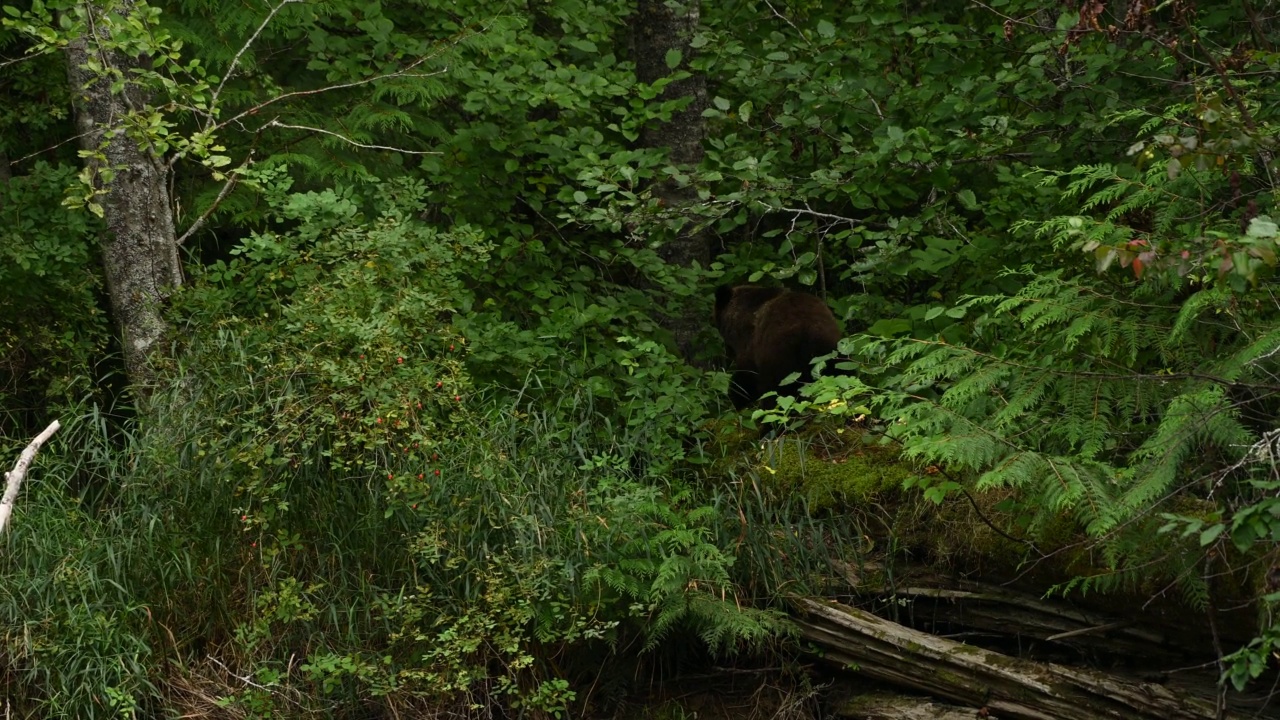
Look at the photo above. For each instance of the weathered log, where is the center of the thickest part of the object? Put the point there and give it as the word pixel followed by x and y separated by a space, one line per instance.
pixel 1007 687
pixel 1016 616
pixel 887 706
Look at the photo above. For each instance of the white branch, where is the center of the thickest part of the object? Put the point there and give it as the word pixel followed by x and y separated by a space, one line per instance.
pixel 232 178
pixel 213 102
pixel 345 139
pixel 13 478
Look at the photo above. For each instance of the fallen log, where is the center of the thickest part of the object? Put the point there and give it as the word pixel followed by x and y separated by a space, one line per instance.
pixel 1009 688
pixel 1020 617
pixel 885 706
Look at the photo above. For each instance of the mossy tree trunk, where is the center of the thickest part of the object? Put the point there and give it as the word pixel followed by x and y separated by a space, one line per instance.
pixel 139 247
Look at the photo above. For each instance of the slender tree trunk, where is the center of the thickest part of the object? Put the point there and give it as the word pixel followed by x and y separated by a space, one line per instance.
pixel 139 249
pixel 659 28
pixel 5 174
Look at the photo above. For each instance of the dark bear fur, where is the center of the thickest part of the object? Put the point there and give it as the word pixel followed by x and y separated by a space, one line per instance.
pixel 771 333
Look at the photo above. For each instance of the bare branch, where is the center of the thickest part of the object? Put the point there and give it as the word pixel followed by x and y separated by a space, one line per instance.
pixel 55 146
pixel 13 478
pixel 232 178
pixel 345 139
pixel 213 101
pixel 405 72
pixel 24 58
pixel 806 210
pixel 787 20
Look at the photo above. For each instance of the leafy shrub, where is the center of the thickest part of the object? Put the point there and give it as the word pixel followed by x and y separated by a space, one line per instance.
pixel 52 330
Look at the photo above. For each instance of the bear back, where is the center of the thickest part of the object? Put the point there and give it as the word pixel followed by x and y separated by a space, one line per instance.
pixel 772 333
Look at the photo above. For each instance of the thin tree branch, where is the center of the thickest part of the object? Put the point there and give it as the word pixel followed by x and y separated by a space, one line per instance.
pixel 13 478
pixel 213 101
pixel 345 139
pixel 330 88
pixel 232 179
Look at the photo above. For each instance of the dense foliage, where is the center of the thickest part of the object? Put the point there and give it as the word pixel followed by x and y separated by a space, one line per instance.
pixel 423 441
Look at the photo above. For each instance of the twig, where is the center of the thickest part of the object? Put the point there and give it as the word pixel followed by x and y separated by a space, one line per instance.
pixel 213 101
pixel 787 20
pixel 13 478
pixel 344 138
pixel 987 521
pixel 978 509
pixel 54 146
pixel 1090 630
pixel 403 72
pixel 1210 612
pixel 226 190
pixel 24 58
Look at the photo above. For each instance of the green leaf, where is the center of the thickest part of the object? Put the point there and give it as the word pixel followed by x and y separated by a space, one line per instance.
pixel 721 103
pixel 890 327
pixel 967 199
pixel 826 29
pixel 1263 227
pixel 1211 534
pixel 674 56
pixel 579 197
pixel 744 111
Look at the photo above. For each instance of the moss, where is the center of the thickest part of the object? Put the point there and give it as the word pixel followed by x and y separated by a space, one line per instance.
pixel 833 472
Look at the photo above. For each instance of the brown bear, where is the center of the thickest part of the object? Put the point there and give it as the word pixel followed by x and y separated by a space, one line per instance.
pixel 771 333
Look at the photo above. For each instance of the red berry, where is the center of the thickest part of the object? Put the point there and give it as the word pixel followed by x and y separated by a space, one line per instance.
pixel 400 360
pixel 419 477
pixel 437 473
pixel 450 348
pixel 457 398
pixel 379 421
pixel 435 456
pixel 361 356
pixel 390 476
pixel 439 384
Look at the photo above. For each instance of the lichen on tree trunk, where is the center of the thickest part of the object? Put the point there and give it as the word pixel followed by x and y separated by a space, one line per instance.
pixel 659 29
pixel 139 249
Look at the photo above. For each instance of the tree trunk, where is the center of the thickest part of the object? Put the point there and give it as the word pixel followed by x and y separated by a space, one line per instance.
pixel 657 30
pixel 139 249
